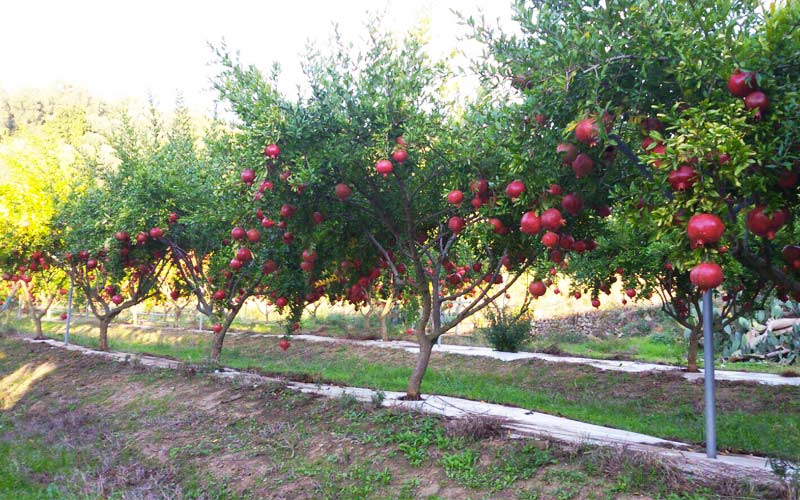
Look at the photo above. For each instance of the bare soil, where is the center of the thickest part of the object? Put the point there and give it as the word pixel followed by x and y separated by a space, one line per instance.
pixel 164 434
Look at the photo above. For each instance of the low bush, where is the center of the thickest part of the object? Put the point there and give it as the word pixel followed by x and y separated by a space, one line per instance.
pixel 507 330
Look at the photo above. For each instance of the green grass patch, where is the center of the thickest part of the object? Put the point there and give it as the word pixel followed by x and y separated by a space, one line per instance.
pixel 619 400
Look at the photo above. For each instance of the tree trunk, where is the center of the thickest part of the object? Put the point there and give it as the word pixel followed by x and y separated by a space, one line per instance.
pixel 366 325
pixel 104 333
pixel 384 330
pixel 216 346
pixel 219 338
pixel 178 312
pixel 691 356
pixel 37 320
pixel 425 347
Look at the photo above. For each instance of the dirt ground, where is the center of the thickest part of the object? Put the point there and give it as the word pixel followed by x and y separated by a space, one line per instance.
pixel 140 433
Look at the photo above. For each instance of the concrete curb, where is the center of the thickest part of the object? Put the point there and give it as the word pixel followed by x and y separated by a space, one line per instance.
pixel 602 364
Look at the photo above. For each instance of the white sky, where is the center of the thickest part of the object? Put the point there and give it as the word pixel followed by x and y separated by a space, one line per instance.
pixel 121 49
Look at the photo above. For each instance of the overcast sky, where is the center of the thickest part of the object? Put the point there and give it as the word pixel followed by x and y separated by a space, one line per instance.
pixel 129 49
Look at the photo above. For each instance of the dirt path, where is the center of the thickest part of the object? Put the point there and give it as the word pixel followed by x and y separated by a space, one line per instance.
pixel 522 422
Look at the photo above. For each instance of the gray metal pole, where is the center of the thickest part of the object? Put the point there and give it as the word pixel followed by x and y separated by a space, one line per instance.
pixel 69 312
pixel 708 361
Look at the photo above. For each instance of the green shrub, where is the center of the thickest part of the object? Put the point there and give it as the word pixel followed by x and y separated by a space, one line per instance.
pixel 507 330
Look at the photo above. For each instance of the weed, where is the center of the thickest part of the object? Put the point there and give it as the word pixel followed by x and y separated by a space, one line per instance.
pixel 507 331
pixel 377 398
pixel 462 467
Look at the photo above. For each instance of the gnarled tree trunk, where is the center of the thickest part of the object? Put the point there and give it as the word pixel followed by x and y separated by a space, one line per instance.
pixel 37 320
pixel 413 391
pixel 104 333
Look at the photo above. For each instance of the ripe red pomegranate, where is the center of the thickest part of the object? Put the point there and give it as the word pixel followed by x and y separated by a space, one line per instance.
pixel 550 239
pixel 284 176
pixel 572 203
pixel 603 211
pixel 174 295
pixel 317 218
pixel 267 222
pixel 287 211
pixel 238 233
pixel 91 264
pixel 683 178
pixel 583 166
pixel 219 295
pixel 400 155
pixel 742 83
pixel 455 197
pixel 570 152
pixel 704 229
pixel 284 344
pixel 281 302
pixel 384 167
pixel 595 303
pixel 630 292
pixel 236 264
pixel 787 179
pixel 244 254
pixel 651 123
pixel 310 256
pixel 248 176
pixel 586 131
pixel 343 191
pixel 269 267
pixel 117 299
pixel 456 224
pixel 515 189
pixel 530 223
pixel 706 275
pixel 791 252
pixel 497 226
pixel 554 190
pixel 121 236
pixel 537 288
pixel 757 100
pixel 479 186
pixel 173 218
pixel 216 328
pixel 551 219
pixel 272 150
pixel 307 266
pixel 253 235
pixel 577 295
pixel 658 150
pixel 761 224
pixel 63 316
pixel 156 232
pixel 567 242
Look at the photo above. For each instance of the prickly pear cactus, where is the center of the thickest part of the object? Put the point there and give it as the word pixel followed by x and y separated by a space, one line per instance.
pixel 769 335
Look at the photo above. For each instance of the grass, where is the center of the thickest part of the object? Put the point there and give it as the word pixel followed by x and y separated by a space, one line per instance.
pixel 27 464
pixel 93 428
pixel 755 419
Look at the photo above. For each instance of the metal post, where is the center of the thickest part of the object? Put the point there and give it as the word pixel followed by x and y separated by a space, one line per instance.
pixel 69 312
pixel 708 361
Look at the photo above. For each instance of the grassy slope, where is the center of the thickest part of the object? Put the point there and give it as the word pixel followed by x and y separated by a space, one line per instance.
pixel 751 418
pixel 97 429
